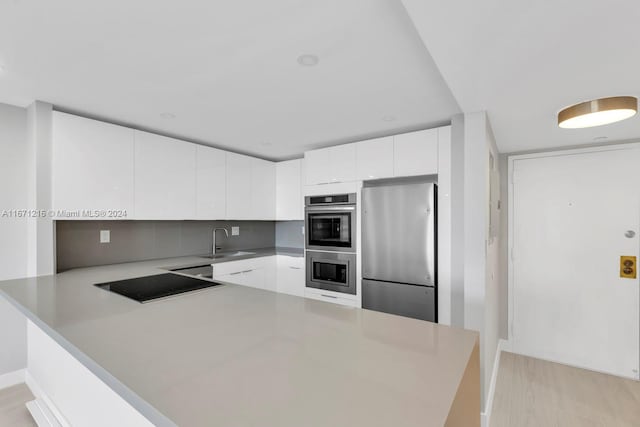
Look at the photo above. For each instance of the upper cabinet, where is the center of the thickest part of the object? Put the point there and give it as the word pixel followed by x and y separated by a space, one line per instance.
pixel 289 195
pixel 331 165
pixel 263 189
pixel 93 165
pixel 165 177
pixel 211 183
pixel 416 153
pixel 375 158
pixel 239 183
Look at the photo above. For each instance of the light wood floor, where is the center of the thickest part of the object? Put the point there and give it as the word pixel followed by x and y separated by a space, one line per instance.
pixel 12 410
pixel 535 393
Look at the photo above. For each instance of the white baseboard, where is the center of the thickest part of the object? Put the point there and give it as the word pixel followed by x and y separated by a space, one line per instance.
pixel 40 412
pixel 44 401
pixel 12 378
pixel 485 417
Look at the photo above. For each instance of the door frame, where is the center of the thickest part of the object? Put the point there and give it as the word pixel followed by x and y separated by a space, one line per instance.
pixel 511 159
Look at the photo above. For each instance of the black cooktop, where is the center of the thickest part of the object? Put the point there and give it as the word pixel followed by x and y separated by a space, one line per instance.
pixel 143 289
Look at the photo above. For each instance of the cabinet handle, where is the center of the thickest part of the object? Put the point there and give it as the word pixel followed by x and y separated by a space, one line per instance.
pixel 295 268
pixel 247 271
pixel 329 296
pixel 237 272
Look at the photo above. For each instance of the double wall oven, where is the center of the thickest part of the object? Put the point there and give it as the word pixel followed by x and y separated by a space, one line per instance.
pixel 330 224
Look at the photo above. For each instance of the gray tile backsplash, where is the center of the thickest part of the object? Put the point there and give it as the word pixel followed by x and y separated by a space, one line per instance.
pixel 289 234
pixel 78 242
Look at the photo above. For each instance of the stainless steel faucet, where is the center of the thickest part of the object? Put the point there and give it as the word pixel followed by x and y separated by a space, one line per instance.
pixel 214 237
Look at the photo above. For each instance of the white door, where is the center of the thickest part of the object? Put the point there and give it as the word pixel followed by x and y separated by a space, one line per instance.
pixel 573 216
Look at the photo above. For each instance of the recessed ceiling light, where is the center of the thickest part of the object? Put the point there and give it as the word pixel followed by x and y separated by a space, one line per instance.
pixel 308 60
pixel 388 118
pixel 598 112
pixel 167 115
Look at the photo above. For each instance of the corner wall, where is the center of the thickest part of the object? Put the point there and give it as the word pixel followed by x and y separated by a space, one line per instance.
pixel 13 232
pixel 476 237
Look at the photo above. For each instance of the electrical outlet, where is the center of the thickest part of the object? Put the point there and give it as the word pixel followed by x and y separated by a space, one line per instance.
pixel 105 236
pixel 235 231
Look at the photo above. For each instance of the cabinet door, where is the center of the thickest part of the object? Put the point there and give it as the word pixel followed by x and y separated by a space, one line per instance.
pixel 235 278
pixel 211 179
pixel 92 165
pixel 254 278
pixel 416 153
pixel 342 163
pixel 289 200
pixel 239 200
pixel 317 167
pixel 165 177
pixel 374 158
pixel 291 275
pixel 263 190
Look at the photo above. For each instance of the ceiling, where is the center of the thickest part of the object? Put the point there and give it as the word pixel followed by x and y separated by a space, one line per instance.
pixel 226 73
pixel 523 61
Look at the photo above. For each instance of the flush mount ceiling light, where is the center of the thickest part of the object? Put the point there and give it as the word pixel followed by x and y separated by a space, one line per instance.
pixel 308 60
pixel 598 112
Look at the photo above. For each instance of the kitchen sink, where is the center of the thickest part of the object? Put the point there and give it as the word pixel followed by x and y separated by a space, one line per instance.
pixel 200 271
pixel 229 255
pixel 241 253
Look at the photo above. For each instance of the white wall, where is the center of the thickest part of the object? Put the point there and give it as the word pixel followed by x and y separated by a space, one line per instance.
pixel 41 237
pixel 476 293
pixel 13 232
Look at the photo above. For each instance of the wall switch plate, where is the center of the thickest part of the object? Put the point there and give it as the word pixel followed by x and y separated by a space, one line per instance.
pixel 235 231
pixel 105 236
pixel 302 230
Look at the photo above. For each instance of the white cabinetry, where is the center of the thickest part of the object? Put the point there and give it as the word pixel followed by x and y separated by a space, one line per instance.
pixel 375 158
pixel 416 153
pixel 289 198
pixel 290 275
pixel 93 166
pixel 211 179
pixel 251 188
pixel 263 190
pixel 238 186
pixel 277 273
pixel 330 165
pixel 165 177
pixel 254 272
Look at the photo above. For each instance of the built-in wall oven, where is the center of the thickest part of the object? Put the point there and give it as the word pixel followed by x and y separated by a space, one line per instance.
pixel 332 271
pixel 330 229
pixel 330 222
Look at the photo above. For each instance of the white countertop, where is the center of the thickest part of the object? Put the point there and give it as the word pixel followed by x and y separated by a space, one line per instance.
pixel 238 356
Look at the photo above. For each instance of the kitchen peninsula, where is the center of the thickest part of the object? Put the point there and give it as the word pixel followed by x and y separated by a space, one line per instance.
pixel 233 355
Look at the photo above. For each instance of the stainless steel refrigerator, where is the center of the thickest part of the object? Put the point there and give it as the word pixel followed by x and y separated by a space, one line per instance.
pixel 399 255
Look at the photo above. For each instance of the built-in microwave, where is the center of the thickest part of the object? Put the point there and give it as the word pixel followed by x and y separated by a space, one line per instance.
pixel 330 222
pixel 332 271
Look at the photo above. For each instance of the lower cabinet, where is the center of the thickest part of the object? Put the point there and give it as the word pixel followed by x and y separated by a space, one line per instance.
pixel 254 278
pixel 277 273
pixel 290 277
pixel 254 272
